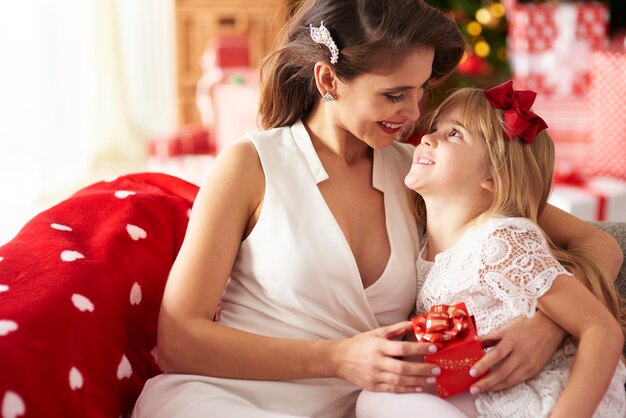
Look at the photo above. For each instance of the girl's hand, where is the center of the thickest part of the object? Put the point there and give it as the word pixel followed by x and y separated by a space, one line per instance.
pixel 370 361
pixel 524 348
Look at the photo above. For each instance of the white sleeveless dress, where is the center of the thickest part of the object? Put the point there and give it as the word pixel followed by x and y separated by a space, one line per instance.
pixel 500 269
pixel 296 277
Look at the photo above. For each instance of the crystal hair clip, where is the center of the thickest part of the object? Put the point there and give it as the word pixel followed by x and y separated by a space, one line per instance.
pixel 321 35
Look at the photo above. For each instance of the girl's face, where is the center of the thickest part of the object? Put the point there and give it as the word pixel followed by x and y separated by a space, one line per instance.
pixel 449 161
pixel 373 107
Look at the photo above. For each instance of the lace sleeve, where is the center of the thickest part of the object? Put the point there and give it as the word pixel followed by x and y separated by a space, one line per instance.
pixel 517 265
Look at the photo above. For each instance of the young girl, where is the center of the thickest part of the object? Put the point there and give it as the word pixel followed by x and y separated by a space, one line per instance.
pixel 484 175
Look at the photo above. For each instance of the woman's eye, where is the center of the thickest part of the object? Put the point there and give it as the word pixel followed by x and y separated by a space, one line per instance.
pixel 395 99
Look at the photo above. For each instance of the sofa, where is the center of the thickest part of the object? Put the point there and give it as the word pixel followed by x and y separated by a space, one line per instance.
pixel 80 289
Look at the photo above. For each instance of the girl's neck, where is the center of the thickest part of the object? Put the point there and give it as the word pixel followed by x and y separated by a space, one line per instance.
pixel 446 223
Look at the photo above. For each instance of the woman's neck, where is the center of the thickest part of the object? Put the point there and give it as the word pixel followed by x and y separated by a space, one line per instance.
pixel 332 141
pixel 446 223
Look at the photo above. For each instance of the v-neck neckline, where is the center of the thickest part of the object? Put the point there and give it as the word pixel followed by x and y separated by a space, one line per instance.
pixel 304 143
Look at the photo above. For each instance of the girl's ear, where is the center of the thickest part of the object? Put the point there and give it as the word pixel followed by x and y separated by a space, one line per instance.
pixel 488 185
pixel 325 79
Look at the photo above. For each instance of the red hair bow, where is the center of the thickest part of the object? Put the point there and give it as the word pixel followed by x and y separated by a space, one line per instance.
pixel 518 119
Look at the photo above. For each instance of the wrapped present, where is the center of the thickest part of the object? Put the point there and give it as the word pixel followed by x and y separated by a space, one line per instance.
pixel 190 139
pixel 608 114
pixel 568 120
pixel 594 199
pixel 550 45
pixel 452 329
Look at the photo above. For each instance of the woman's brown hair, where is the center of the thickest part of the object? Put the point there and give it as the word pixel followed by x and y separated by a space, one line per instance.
pixel 373 36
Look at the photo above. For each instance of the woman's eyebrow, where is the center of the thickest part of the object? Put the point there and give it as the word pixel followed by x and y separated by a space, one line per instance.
pixel 399 88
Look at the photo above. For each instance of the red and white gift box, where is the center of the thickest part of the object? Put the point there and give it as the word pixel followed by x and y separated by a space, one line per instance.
pixel 568 120
pixel 608 114
pixel 550 45
pixel 596 199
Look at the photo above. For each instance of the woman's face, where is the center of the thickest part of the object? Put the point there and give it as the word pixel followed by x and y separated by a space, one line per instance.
pixel 373 107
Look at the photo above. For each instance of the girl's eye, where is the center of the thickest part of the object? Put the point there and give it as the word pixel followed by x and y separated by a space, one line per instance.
pixel 456 134
pixel 395 99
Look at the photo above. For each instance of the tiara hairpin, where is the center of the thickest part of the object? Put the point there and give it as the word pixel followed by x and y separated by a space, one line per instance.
pixel 321 35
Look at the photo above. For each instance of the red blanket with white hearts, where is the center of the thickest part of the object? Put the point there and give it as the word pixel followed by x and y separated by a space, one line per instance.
pixel 80 289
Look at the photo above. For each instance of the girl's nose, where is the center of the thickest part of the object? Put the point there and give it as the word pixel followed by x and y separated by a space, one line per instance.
pixel 429 140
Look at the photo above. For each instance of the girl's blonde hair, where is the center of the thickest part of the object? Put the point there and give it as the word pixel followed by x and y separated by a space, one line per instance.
pixel 522 178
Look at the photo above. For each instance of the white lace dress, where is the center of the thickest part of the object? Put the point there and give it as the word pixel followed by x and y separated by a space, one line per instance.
pixel 499 269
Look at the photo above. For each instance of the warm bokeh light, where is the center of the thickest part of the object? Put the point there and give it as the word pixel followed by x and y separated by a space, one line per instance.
pixel 482 49
pixel 483 16
pixel 474 28
pixel 497 9
pixel 502 53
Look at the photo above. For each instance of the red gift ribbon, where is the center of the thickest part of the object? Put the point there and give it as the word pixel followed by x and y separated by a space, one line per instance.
pixel 573 178
pixel 441 324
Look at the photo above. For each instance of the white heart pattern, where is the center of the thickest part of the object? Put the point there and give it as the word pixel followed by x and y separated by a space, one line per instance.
pixel 124 369
pixel 7 326
pixel 12 405
pixel 1 258
pixel 111 179
pixel 61 227
pixel 135 294
pixel 82 303
pixel 4 288
pixel 69 255
pixel 76 379
pixel 123 194
pixel 135 232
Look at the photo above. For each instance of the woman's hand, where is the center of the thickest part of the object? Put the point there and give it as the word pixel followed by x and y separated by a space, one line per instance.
pixel 370 361
pixel 523 348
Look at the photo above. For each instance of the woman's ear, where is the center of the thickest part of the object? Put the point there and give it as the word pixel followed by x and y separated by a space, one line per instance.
pixel 325 79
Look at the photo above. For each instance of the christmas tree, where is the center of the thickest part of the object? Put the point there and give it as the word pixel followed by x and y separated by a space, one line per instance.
pixel 485 62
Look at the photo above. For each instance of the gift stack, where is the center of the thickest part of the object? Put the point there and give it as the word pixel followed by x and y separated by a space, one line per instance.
pixel 550 49
pixel 560 50
pixel 227 94
pixel 187 153
pixel 608 113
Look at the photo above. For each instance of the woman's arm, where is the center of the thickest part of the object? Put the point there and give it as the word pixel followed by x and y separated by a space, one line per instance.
pixel 189 341
pixel 601 340
pixel 567 231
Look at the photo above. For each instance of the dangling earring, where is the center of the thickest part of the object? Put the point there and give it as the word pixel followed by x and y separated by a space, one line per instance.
pixel 328 98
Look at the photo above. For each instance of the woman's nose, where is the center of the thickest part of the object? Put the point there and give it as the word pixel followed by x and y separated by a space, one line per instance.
pixel 412 108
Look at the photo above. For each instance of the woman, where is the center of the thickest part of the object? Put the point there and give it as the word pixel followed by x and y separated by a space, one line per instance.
pixel 310 220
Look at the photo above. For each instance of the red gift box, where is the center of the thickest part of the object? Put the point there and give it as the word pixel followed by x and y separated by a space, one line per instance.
pixel 453 330
pixel 550 45
pixel 608 115
pixel 190 139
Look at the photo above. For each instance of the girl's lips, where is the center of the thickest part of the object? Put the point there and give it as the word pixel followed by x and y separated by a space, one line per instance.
pixel 423 160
